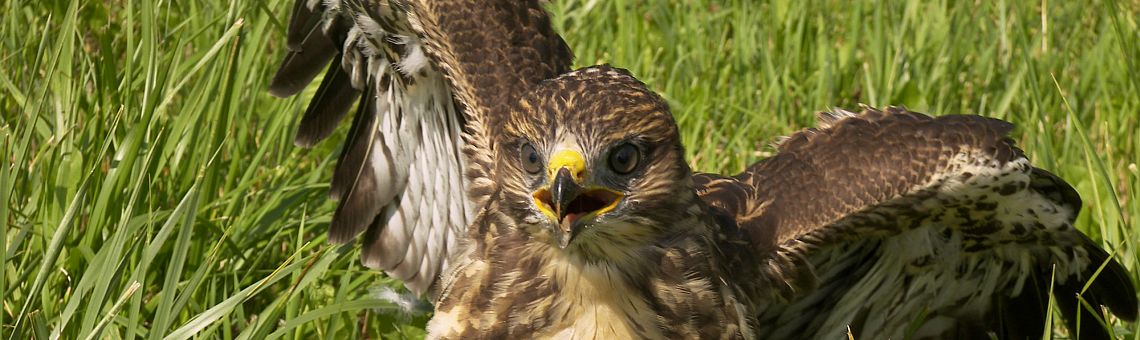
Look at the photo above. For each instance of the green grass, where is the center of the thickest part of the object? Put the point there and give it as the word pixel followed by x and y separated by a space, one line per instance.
pixel 151 188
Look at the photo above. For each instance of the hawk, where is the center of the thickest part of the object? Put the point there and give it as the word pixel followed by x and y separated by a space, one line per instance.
pixel 526 199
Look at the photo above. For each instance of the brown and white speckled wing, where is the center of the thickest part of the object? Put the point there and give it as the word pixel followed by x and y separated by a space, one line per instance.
pixel 426 78
pixel 896 224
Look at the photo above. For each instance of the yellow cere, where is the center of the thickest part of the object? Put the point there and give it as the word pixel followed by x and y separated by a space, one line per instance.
pixel 569 159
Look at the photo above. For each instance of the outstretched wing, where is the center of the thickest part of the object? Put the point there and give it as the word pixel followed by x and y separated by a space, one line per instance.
pixel 897 224
pixel 426 78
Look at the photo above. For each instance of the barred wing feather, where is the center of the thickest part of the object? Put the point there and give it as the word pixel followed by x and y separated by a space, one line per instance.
pixel 415 166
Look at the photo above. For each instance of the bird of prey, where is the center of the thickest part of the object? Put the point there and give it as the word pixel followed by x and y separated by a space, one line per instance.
pixel 526 199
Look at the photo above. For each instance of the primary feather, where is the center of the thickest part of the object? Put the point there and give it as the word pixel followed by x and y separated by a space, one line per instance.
pixel 413 167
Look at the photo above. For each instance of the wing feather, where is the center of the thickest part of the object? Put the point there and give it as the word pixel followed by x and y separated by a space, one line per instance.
pixel 426 77
pixel 956 220
pixel 333 99
pixel 310 49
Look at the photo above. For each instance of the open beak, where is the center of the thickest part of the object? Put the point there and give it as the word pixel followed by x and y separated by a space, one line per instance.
pixel 567 201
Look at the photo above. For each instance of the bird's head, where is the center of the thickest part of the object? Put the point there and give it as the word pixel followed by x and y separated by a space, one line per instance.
pixel 592 163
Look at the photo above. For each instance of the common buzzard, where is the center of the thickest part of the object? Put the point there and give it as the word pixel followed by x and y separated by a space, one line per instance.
pixel 527 199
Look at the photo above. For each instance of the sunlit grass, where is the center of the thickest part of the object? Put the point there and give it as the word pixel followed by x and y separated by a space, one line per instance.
pixel 151 187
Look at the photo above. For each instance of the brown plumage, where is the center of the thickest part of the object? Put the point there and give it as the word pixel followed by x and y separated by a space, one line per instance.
pixel 528 200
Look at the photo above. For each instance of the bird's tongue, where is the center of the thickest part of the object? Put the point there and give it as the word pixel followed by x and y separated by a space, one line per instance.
pixel 585 204
pixel 569 220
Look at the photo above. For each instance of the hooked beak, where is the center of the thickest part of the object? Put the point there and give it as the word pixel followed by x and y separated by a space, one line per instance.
pixel 563 191
pixel 567 202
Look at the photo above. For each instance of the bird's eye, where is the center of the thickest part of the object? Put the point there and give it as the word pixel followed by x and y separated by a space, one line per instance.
pixel 530 160
pixel 624 158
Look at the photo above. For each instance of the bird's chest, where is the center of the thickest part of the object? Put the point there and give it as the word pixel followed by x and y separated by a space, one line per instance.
pixel 553 300
pixel 593 307
pixel 534 294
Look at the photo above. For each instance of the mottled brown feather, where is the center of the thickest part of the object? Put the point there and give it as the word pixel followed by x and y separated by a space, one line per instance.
pixel 820 176
pixel 491 52
pixel 798 201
